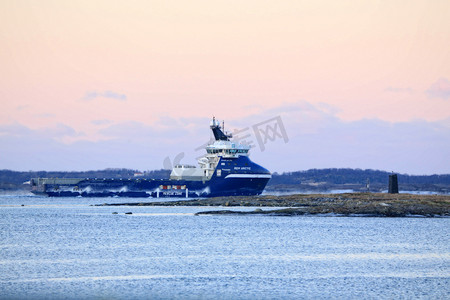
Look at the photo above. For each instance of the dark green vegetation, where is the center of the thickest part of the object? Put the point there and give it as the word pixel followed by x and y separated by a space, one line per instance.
pixel 317 180
pixel 352 204
pixel 13 180
pixel 320 180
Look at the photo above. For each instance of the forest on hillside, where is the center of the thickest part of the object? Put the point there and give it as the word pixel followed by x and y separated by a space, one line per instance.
pixel 309 180
pixel 356 179
pixel 11 180
pixel 347 176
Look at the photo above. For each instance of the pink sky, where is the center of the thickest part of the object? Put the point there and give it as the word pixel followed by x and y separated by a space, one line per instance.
pixel 79 76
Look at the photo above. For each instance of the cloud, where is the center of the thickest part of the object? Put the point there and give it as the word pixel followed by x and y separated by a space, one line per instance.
pixel 132 145
pixel 303 117
pixel 89 96
pixel 162 137
pixel 316 139
pixel 22 107
pixel 57 132
pixel 15 129
pixel 45 116
pixel 440 89
pixel 102 122
pixel 130 129
pixel 399 90
pixel 319 139
pixel 60 130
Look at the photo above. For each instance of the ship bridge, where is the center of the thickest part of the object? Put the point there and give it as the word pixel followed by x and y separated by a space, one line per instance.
pixel 222 147
pixel 227 149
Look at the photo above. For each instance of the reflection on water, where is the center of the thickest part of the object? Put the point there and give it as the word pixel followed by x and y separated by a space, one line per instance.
pixel 65 248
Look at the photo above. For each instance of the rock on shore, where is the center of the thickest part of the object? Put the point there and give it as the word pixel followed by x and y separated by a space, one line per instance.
pixel 352 204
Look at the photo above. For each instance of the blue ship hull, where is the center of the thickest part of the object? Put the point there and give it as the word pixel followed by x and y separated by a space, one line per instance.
pixel 232 177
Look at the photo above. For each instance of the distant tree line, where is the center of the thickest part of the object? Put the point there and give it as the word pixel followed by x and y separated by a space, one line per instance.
pixel 353 176
pixel 10 180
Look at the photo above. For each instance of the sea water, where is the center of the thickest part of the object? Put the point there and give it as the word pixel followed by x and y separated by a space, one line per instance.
pixel 64 248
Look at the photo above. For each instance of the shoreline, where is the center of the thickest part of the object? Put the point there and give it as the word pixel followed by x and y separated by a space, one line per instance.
pixel 350 204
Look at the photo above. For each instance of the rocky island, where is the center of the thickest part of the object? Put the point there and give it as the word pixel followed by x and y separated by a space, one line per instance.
pixel 350 204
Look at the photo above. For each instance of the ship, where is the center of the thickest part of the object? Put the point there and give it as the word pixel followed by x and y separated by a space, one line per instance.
pixel 224 170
